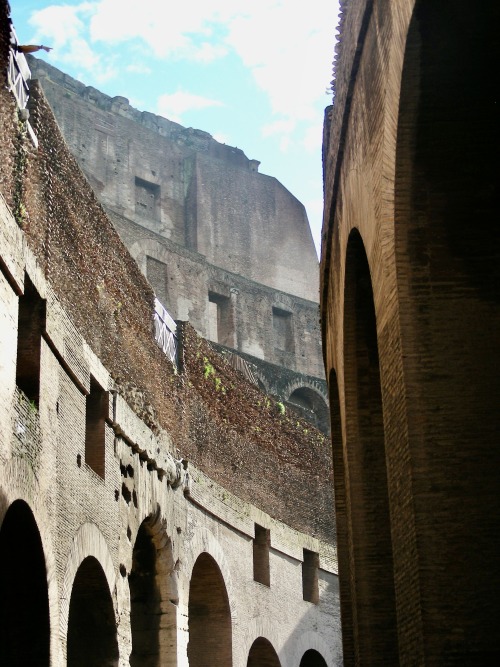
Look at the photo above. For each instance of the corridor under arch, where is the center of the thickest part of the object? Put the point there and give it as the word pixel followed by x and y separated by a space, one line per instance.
pixel 262 654
pixel 210 639
pixel 92 640
pixel 24 602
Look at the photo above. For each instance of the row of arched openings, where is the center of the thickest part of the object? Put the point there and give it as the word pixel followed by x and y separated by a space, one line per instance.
pixel 92 636
pixel 446 252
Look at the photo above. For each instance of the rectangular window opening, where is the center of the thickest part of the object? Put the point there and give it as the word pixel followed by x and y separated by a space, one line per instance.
pixel 31 325
pixel 310 567
pixel 220 324
pixel 96 413
pixel 147 199
pixel 156 273
pixel 283 330
pixel 261 545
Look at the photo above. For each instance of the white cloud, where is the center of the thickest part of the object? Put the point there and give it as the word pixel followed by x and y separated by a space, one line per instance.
pixel 165 30
pixel 61 24
pixel 288 49
pixel 174 105
pixel 207 53
pixel 138 68
pixel 313 138
pixel 282 126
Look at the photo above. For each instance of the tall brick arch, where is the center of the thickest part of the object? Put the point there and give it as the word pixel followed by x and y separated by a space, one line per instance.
pixel 207 572
pixel 310 396
pixel 410 163
pixel 310 642
pixel 262 654
pixel 209 617
pixel 88 543
pixel 262 627
pixel 19 493
pixel 153 595
pixel 24 600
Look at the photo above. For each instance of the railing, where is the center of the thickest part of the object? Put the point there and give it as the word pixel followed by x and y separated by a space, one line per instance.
pixel 165 332
pixel 18 76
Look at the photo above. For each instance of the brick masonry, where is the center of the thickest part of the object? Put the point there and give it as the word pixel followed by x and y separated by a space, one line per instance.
pixel 71 531
pixel 409 284
pixel 199 219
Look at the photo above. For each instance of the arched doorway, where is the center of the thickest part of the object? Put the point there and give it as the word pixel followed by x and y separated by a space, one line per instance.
pixel 153 597
pixel 447 257
pixel 24 603
pixel 370 546
pixel 312 658
pixel 210 641
pixel 262 654
pixel 311 405
pixel 92 638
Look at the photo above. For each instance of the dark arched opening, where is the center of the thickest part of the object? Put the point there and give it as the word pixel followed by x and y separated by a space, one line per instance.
pixel 311 405
pixel 91 625
pixel 448 263
pixel 24 602
pixel 370 546
pixel 153 596
pixel 262 654
pixel 312 658
pixel 209 616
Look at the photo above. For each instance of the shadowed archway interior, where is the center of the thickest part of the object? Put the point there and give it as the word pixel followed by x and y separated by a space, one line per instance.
pixel 92 638
pixel 312 658
pixel 210 641
pixel 24 604
pixel 262 654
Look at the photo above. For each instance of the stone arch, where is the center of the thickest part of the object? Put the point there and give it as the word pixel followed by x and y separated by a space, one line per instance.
pixel 312 642
pixel 24 597
pixel 306 383
pixel 92 630
pixel 210 626
pixel 262 654
pixel 312 658
pixel 447 261
pixel 370 560
pixel 153 596
pixel 88 541
pixel 262 381
pixel 264 627
pixel 204 541
pixel 308 400
pixel 24 488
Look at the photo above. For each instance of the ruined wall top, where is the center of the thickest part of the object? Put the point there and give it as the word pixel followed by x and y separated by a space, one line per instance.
pixel 220 420
pixel 199 139
pixel 186 186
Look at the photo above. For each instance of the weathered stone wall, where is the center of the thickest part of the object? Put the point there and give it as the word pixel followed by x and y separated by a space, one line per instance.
pixel 100 283
pixel 202 210
pixel 410 314
pixel 118 470
pixel 188 280
pixel 89 523
pixel 111 304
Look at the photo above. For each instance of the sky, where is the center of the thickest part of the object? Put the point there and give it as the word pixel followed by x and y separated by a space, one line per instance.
pixel 255 74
